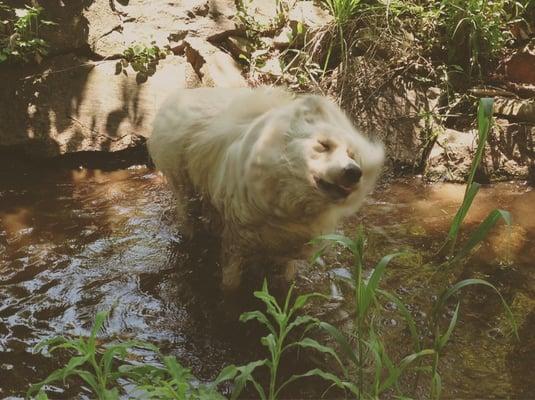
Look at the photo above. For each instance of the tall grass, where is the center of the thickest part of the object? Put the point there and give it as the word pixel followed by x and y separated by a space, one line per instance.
pixel 476 31
pixel 280 321
pixel 376 372
pixel 484 119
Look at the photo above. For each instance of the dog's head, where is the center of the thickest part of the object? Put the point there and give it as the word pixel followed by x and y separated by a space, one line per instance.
pixel 308 157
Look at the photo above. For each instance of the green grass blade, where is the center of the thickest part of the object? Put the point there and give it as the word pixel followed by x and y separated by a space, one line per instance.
pixel 373 283
pixel 346 348
pixel 442 340
pixel 260 317
pixel 395 374
pixel 438 307
pixel 339 239
pixel 463 210
pixel 483 230
pixel 314 344
pixel 322 374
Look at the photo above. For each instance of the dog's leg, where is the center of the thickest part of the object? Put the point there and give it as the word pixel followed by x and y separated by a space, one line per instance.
pixel 231 273
pixel 232 262
pixel 188 206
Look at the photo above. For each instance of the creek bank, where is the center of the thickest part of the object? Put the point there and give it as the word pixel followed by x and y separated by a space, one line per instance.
pixel 75 103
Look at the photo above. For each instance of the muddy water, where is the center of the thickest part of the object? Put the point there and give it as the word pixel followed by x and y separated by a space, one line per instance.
pixel 75 242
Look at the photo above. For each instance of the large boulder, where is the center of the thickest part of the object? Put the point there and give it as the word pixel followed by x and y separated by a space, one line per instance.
pixel 70 105
pixel 108 27
pixel 400 113
pixel 510 153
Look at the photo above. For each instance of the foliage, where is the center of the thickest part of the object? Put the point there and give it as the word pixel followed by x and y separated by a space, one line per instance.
pixel 280 322
pixel 441 339
pixel 475 31
pixel 484 118
pixel 100 372
pixel 143 60
pixel 376 372
pixel 20 36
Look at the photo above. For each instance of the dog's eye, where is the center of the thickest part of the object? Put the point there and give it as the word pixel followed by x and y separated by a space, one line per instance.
pixel 324 145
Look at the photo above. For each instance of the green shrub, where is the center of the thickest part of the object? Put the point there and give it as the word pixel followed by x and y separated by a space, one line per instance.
pixel 20 36
pixel 143 60
pixel 475 32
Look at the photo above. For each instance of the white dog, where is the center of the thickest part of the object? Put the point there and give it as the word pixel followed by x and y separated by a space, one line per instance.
pixel 265 170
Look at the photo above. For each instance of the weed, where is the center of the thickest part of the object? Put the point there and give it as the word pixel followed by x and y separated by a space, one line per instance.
pixel 474 32
pixel 375 370
pixel 20 39
pixel 441 339
pixel 142 59
pixel 99 370
pixel 280 322
pixel 484 118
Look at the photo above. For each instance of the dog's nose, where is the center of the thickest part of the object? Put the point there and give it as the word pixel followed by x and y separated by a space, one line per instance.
pixel 351 175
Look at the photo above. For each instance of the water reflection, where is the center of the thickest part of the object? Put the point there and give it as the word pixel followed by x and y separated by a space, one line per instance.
pixel 74 242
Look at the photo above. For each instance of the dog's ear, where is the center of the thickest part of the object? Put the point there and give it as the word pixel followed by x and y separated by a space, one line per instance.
pixel 310 108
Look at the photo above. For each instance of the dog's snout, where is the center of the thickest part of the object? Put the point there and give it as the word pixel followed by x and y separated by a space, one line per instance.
pixel 351 175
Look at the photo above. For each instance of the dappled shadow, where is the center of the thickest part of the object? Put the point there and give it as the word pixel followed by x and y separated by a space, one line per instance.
pixel 68 103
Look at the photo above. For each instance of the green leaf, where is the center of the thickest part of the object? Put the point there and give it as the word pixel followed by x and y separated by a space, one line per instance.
pixel 373 283
pixel 260 317
pixel 339 239
pixel 442 340
pixel 270 342
pixel 346 348
pixel 228 373
pixel 441 301
pixel 483 230
pixel 100 318
pixel 244 376
pixel 404 364
pixel 302 320
pixel 303 299
pixel 176 370
pixel 74 363
pixel 322 374
pixel 311 343
pixel 88 378
pixel 41 396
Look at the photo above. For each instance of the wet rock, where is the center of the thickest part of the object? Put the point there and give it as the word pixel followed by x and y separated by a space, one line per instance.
pixel 264 11
pixel 272 67
pixel 284 38
pixel 510 153
pixel 224 8
pixel 303 17
pixel 70 105
pixel 400 113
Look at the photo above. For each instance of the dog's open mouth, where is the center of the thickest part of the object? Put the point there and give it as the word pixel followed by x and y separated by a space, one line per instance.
pixel 335 191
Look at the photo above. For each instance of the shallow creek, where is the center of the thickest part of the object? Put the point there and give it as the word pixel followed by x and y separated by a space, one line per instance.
pixel 76 242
